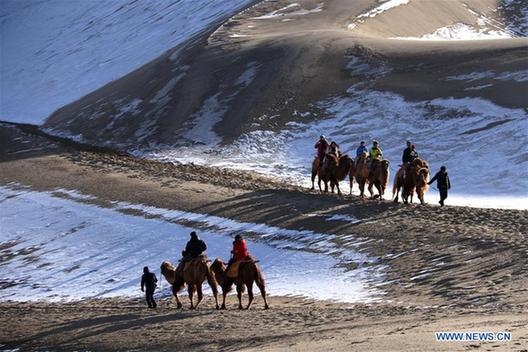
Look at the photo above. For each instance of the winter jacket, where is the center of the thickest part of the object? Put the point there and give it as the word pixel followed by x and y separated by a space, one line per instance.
pixel 194 248
pixel 321 147
pixel 360 150
pixel 240 250
pixel 442 180
pixel 409 155
pixel 149 281
pixel 376 153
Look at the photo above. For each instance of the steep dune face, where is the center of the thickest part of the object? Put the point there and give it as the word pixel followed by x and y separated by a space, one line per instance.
pixel 257 91
pixel 55 52
pixel 276 58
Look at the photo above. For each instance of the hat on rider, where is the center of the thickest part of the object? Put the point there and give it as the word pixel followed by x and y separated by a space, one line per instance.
pixel 375 142
pixel 362 142
pixel 238 237
pixel 194 235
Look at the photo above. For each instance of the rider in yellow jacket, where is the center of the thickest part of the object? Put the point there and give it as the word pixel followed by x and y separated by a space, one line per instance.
pixel 375 154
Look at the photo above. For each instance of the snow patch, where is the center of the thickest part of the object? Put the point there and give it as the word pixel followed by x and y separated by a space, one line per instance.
pixel 287 11
pixel 65 250
pixel 376 11
pixel 100 41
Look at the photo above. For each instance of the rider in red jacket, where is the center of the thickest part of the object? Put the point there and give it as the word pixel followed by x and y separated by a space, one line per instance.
pixel 240 250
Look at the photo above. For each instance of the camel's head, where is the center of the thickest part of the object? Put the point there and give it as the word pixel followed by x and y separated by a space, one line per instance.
pixel 423 175
pixel 166 266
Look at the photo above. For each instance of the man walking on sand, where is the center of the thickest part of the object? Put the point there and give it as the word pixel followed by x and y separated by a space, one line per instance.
pixel 148 281
pixel 442 183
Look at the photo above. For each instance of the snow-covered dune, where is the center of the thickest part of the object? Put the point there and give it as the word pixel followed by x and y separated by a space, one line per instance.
pixel 256 92
pixel 55 52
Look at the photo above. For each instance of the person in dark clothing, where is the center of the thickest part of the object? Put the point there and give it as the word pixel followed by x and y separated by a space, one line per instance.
pixel 406 157
pixel 442 183
pixel 194 248
pixel 409 154
pixel 149 282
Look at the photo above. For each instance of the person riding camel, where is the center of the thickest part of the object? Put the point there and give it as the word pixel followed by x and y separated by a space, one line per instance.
pixel 409 154
pixel 194 248
pixel 321 146
pixel 240 251
pixel 375 155
pixel 360 150
pixel 333 149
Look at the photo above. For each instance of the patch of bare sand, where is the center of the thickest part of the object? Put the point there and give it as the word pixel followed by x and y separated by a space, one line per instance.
pixel 290 324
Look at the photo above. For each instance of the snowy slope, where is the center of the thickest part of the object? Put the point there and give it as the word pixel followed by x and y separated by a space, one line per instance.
pixel 54 52
pixel 471 136
pixel 57 247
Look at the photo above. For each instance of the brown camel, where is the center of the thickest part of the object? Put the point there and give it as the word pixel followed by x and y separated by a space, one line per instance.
pixel 248 272
pixel 361 173
pixel 319 171
pixel 379 179
pixel 416 178
pixel 338 170
pixel 194 275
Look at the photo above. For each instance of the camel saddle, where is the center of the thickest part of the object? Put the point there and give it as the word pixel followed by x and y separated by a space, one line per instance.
pixel 200 258
pixel 232 271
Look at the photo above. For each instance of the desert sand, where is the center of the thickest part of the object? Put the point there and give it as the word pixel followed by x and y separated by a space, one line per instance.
pixel 481 286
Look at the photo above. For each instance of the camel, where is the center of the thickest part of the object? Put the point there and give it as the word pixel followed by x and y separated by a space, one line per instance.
pixel 380 178
pixel 319 171
pixel 248 272
pixel 416 179
pixel 361 172
pixel 338 170
pixel 194 276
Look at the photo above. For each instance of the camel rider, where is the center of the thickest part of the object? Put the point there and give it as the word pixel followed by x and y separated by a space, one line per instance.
pixel 333 149
pixel 361 149
pixel 194 248
pixel 321 147
pixel 375 155
pixel 409 154
pixel 239 251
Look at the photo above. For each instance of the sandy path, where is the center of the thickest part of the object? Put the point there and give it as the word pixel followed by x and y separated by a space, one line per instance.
pixel 291 324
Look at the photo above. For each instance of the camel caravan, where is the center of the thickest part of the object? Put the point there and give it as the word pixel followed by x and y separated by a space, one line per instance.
pixel 195 268
pixel 369 168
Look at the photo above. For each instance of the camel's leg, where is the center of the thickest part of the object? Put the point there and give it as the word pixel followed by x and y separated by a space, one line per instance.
pixel 319 183
pixel 214 287
pixel 224 295
pixel 380 190
pixel 351 183
pixel 397 193
pixel 190 290
pixel 175 290
pixel 313 180
pixel 326 185
pixel 239 296
pixel 250 294
pixel 262 289
pixel 370 190
pixel 361 185
pixel 338 190
pixel 200 295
